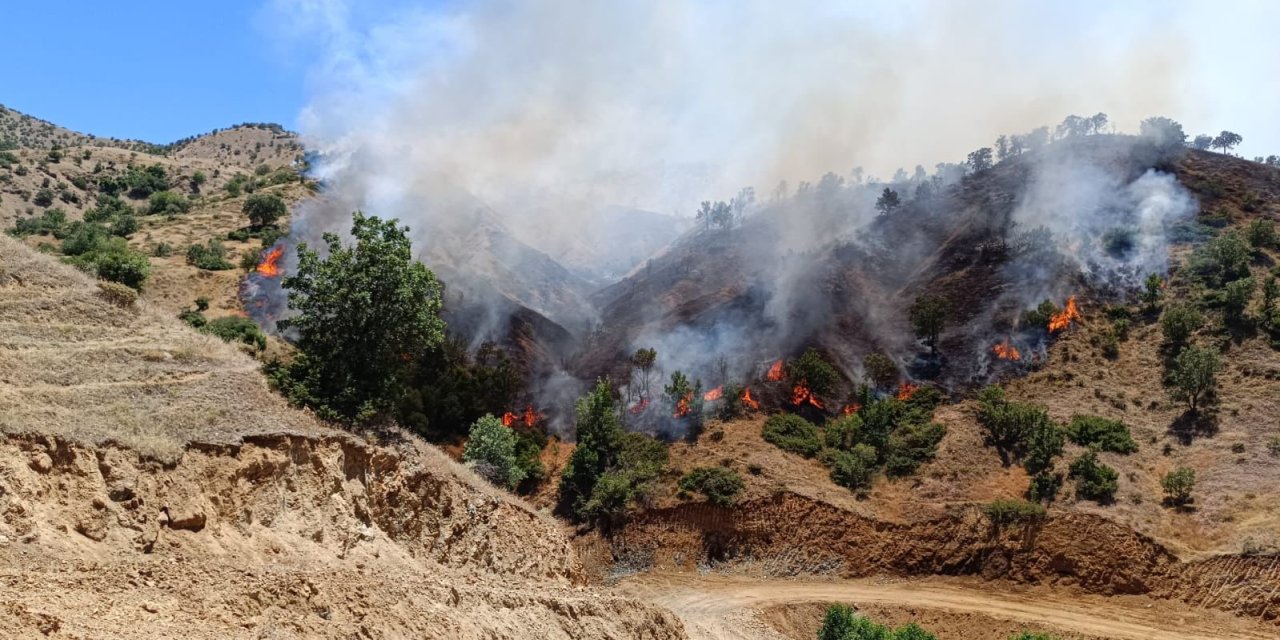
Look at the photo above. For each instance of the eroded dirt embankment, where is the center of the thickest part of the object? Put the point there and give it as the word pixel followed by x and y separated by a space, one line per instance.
pixel 288 536
pixel 789 535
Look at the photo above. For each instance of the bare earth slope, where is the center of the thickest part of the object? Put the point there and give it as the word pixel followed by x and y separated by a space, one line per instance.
pixel 151 486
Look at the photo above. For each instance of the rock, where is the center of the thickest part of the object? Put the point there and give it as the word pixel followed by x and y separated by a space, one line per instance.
pixel 41 462
pixel 150 607
pixel 188 518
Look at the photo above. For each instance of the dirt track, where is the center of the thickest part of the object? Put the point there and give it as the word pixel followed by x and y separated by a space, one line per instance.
pixel 721 608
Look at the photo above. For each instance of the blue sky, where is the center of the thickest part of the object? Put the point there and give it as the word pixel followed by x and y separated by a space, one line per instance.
pixel 148 69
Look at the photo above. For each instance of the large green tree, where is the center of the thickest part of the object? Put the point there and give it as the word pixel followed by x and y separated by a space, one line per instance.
pixel 364 315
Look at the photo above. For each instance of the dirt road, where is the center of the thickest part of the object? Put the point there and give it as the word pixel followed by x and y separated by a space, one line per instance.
pixel 726 608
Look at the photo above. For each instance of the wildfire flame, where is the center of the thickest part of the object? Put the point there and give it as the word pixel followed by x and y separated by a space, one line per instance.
pixel 1060 321
pixel 640 406
pixel 1006 351
pixel 850 409
pixel 801 394
pixel 748 400
pixel 682 407
pixel 775 372
pixel 713 394
pixel 269 266
pixel 529 417
pixel 906 390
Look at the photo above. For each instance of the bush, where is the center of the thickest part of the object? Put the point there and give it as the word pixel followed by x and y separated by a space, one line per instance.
pixel 1178 484
pixel 843 433
pixel 1107 435
pixel 1044 486
pixel 264 209
pixel 718 484
pixel 124 226
pixel 117 294
pixel 1094 481
pixel 168 203
pixel 491 451
pixel 1018 430
pixel 43 197
pixel 854 469
pixel 880 369
pixel 1227 256
pixel 792 433
pixel 1235 299
pixel 911 445
pixel 210 257
pixel 82 238
pixel 842 623
pixel 1261 234
pixel 1006 512
pixel 1043 442
pixel 237 329
pixel 51 222
pixel 142 183
pixel 1178 323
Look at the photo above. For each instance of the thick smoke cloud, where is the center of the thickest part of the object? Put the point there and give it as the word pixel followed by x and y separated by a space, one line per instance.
pixel 548 111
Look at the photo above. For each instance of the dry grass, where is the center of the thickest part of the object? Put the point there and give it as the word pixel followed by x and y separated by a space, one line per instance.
pixel 75 364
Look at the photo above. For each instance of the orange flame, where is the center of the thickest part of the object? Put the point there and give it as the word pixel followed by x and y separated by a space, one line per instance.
pixel 801 394
pixel 682 407
pixel 748 400
pixel 270 264
pixel 508 419
pixel 851 408
pixel 530 416
pixel 775 372
pixel 906 390
pixel 713 394
pixel 1060 321
pixel 1006 351
pixel 640 406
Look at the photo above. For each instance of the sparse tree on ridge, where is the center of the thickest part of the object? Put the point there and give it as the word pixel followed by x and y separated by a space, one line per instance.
pixel 1195 374
pixel 643 360
pixel 1227 140
pixel 929 317
pixel 888 201
pixel 1098 122
pixel 1164 132
pixel 1002 148
pixel 1202 142
pixel 979 160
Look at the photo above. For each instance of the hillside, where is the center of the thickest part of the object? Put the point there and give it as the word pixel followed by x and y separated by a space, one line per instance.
pixel 147 470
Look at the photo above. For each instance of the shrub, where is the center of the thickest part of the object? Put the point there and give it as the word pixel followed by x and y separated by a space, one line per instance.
pixel 167 203
pixel 842 623
pixel 1094 481
pixel 237 329
pixel 1195 375
pixel 1178 323
pixel 718 484
pixel 1261 234
pixel 124 226
pixel 117 294
pixel 1227 255
pixel 210 257
pixel 1235 299
pixel 843 433
pixel 83 238
pixel 264 209
pixel 1107 435
pixel 854 469
pixel 491 451
pixel 43 197
pixel 880 369
pixel 1015 428
pixel 144 182
pixel 1044 486
pixel 911 445
pixel 124 266
pixel 792 433
pixel 1043 441
pixel 51 222
pixel 1005 512
pixel 1178 484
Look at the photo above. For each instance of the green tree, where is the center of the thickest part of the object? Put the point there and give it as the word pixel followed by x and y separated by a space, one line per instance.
pixel 718 484
pixel 1107 435
pixel 929 317
pixel 167 203
pixel 491 449
pixel 643 360
pixel 1178 323
pixel 264 209
pixel 1227 140
pixel 197 180
pixel 1229 255
pixel 880 369
pixel 813 371
pixel 1235 299
pixel 854 469
pixel 1195 374
pixel 1261 233
pixel 1270 294
pixel 888 201
pixel 1044 441
pixel 364 315
pixel 1178 484
pixel 1152 289
pixel 1163 132
pixel 123 265
pixel 979 160
pixel 790 432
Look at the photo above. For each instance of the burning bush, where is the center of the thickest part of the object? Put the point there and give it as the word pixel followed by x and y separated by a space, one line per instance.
pixel 812 376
